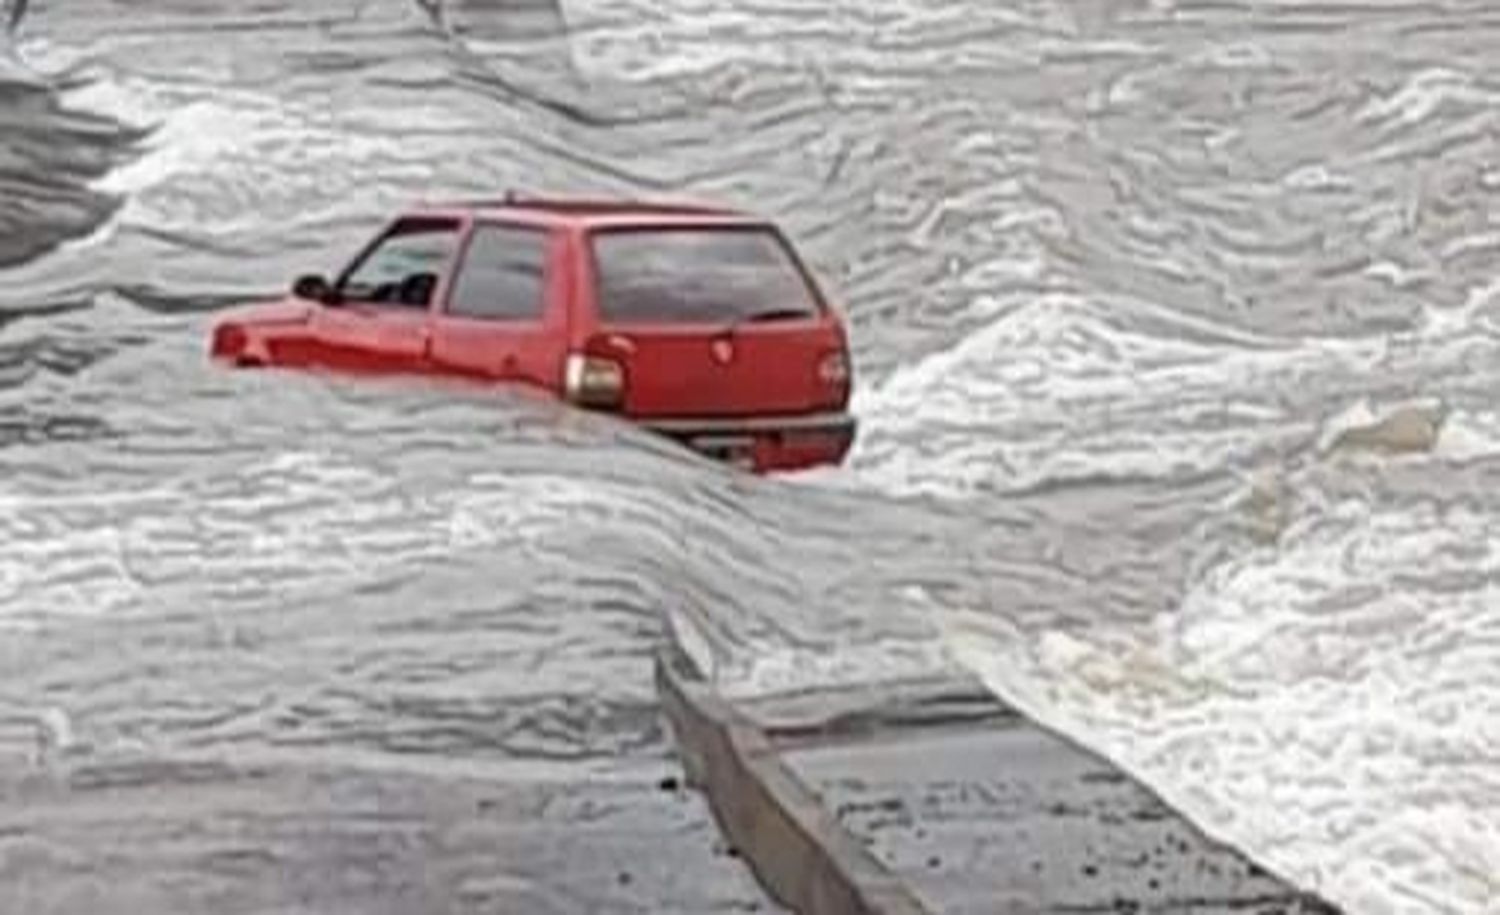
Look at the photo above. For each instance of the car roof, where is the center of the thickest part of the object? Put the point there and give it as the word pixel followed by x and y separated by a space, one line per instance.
pixel 590 212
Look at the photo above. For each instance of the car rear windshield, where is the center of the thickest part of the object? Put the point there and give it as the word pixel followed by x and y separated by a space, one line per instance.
pixel 699 275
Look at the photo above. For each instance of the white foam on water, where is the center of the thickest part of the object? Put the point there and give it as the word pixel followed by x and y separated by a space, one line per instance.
pixel 1054 391
pixel 1423 92
pixel 1469 435
pixel 220 161
pixel 872 661
pixel 1326 697
pixel 229 159
pixel 291 519
pixel 14 70
pixel 1330 702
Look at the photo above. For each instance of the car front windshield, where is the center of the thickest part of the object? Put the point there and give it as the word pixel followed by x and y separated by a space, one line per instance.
pixel 404 267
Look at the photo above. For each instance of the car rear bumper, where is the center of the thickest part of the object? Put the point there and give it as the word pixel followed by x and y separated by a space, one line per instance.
pixel 765 443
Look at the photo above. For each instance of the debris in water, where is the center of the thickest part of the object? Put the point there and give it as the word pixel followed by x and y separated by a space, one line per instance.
pixel 1404 429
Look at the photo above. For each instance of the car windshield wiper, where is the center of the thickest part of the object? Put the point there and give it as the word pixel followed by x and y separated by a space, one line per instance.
pixel 762 317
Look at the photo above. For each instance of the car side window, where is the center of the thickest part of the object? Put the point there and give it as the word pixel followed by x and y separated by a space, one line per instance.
pixel 404 267
pixel 502 276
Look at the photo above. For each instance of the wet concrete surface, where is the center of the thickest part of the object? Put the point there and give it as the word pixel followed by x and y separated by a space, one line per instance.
pixel 243 838
pixel 979 810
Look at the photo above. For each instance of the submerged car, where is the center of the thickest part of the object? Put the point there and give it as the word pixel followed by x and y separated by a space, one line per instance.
pixel 699 323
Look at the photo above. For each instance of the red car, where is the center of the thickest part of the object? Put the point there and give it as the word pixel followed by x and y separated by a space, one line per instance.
pixel 701 324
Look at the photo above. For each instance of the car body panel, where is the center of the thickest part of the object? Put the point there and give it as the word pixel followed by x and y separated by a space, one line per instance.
pixel 674 371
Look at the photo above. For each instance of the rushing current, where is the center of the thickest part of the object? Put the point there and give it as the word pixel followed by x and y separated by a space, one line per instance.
pixel 1177 332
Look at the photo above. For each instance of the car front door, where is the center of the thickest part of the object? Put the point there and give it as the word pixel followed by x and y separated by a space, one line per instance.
pixel 380 321
pixel 504 317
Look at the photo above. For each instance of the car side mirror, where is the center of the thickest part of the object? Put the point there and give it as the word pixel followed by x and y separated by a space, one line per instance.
pixel 314 287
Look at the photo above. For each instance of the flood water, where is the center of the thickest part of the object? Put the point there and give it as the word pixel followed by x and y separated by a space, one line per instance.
pixel 1177 332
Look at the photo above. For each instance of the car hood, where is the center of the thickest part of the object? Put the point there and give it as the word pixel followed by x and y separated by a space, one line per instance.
pixel 284 311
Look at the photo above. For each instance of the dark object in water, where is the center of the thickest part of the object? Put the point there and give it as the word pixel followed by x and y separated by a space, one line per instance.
pixel 15 10
pixel 434 10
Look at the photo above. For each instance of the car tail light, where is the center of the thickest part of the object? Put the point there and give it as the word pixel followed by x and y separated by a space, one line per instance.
pixel 228 341
pixel 834 375
pixel 833 369
pixel 594 381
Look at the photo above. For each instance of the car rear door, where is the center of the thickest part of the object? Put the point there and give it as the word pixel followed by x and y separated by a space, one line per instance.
pixel 504 317
pixel 381 321
pixel 714 321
